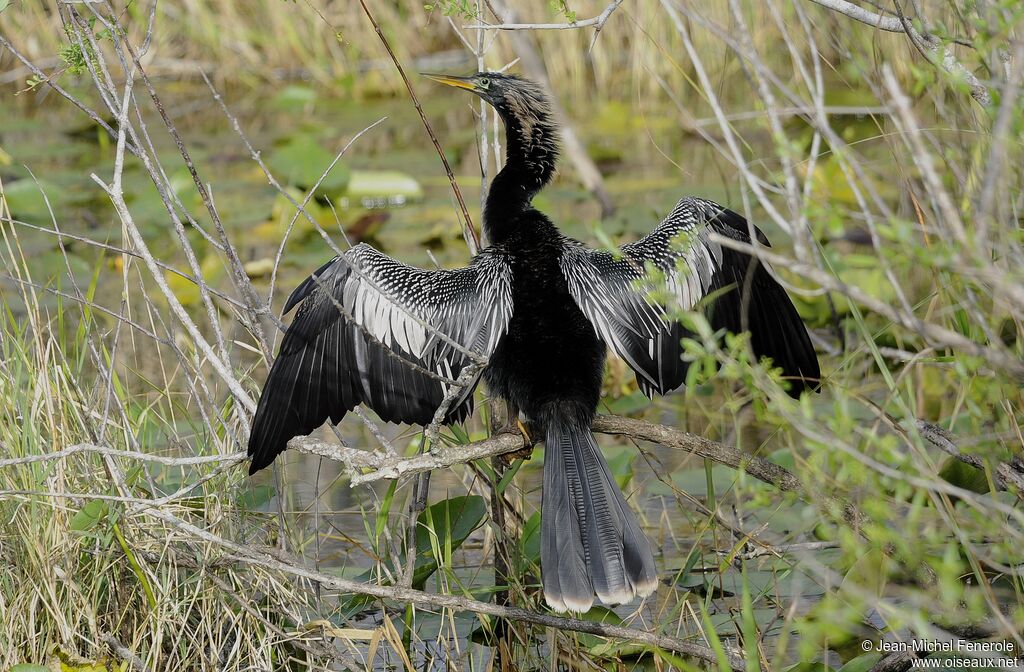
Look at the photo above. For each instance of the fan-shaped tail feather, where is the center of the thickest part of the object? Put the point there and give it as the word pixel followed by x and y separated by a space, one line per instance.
pixel 591 543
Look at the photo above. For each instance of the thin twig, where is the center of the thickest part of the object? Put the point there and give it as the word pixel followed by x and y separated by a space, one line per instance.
pixel 253 556
pixel 597 22
pixel 468 231
pixel 932 47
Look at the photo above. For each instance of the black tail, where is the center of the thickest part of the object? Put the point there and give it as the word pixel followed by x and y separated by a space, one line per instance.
pixel 591 542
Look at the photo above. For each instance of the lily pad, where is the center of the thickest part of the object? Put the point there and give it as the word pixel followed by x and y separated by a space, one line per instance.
pixel 302 160
pixel 187 291
pixel 25 198
pixel 294 97
pixel 380 188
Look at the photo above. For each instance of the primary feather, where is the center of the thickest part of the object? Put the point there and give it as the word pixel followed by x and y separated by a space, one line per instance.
pixel 372 330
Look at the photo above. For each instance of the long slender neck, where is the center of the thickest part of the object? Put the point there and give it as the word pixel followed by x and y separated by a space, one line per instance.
pixel 531 139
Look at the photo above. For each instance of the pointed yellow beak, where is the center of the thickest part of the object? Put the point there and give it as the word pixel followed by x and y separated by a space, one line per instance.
pixel 458 82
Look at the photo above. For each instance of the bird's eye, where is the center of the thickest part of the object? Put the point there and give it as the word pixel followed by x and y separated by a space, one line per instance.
pixel 484 82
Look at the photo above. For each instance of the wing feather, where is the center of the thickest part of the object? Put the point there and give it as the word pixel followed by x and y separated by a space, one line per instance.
pixel 615 291
pixel 372 330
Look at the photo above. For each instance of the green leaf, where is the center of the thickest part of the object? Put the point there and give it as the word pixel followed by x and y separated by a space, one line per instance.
pixel 629 404
pixel 964 476
pixel 861 663
pixel 89 515
pixel 254 498
pixel 684 576
pixel 620 463
pixel 301 162
pixel 870 572
pixel 445 526
pixel 712 636
pixel 749 626
pixel 530 541
pixel 25 667
pixel 384 511
pixel 509 475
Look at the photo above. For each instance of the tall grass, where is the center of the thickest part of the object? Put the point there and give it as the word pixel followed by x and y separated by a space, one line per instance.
pixel 332 43
pixel 81 576
pixel 898 229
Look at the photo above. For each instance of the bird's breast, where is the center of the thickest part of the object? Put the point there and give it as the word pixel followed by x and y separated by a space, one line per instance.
pixel 551 352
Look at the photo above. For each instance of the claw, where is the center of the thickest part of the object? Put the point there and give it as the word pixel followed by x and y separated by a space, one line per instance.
pixel 524 431
pixel 518 427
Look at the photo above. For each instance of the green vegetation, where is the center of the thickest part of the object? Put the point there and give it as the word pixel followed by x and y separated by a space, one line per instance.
pixel 130 537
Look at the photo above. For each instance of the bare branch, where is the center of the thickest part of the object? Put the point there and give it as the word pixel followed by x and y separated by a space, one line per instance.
pixel 394 466
pixel 941 55
pixel 250 555
pixel 890 24
pixel 597 22
pixel 114 452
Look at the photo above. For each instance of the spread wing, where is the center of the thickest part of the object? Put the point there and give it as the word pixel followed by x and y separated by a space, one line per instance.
pixel 615 290
pixel 372 330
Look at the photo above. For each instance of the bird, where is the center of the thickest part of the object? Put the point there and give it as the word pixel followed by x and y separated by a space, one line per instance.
pixel 533 316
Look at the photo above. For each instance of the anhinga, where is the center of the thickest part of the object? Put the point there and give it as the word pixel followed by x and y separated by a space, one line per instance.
pixel 542 308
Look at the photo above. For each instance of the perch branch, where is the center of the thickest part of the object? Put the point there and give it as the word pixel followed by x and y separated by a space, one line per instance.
pixel 385 466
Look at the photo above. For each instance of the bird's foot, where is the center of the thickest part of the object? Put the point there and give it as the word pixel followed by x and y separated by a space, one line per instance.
pixel 517 427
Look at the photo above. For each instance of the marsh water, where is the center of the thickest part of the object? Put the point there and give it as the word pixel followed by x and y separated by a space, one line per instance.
pixel 391 191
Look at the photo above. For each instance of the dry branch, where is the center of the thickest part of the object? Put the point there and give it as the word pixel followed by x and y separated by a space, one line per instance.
pixel 382 465
pixel 386 466
pixel 597 22
pixel 252 556
pixel 940 55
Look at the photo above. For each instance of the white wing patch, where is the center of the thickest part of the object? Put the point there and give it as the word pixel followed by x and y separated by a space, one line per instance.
pixel 423 313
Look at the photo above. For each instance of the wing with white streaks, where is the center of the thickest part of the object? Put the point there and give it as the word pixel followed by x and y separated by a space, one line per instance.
pixel 629 294
pixel 372 330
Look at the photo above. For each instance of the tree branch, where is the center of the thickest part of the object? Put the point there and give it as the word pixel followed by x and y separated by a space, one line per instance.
pixel 934 50
pixel 890 24
pixel 262 558
pixel 384 466
pixel 1008 475
pixel 597 21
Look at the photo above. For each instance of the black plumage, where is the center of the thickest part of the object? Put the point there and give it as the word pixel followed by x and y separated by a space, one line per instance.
pixel 540 309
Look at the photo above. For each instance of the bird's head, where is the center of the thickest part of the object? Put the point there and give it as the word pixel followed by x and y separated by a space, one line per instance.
pixel 521 103
pixel 531 133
